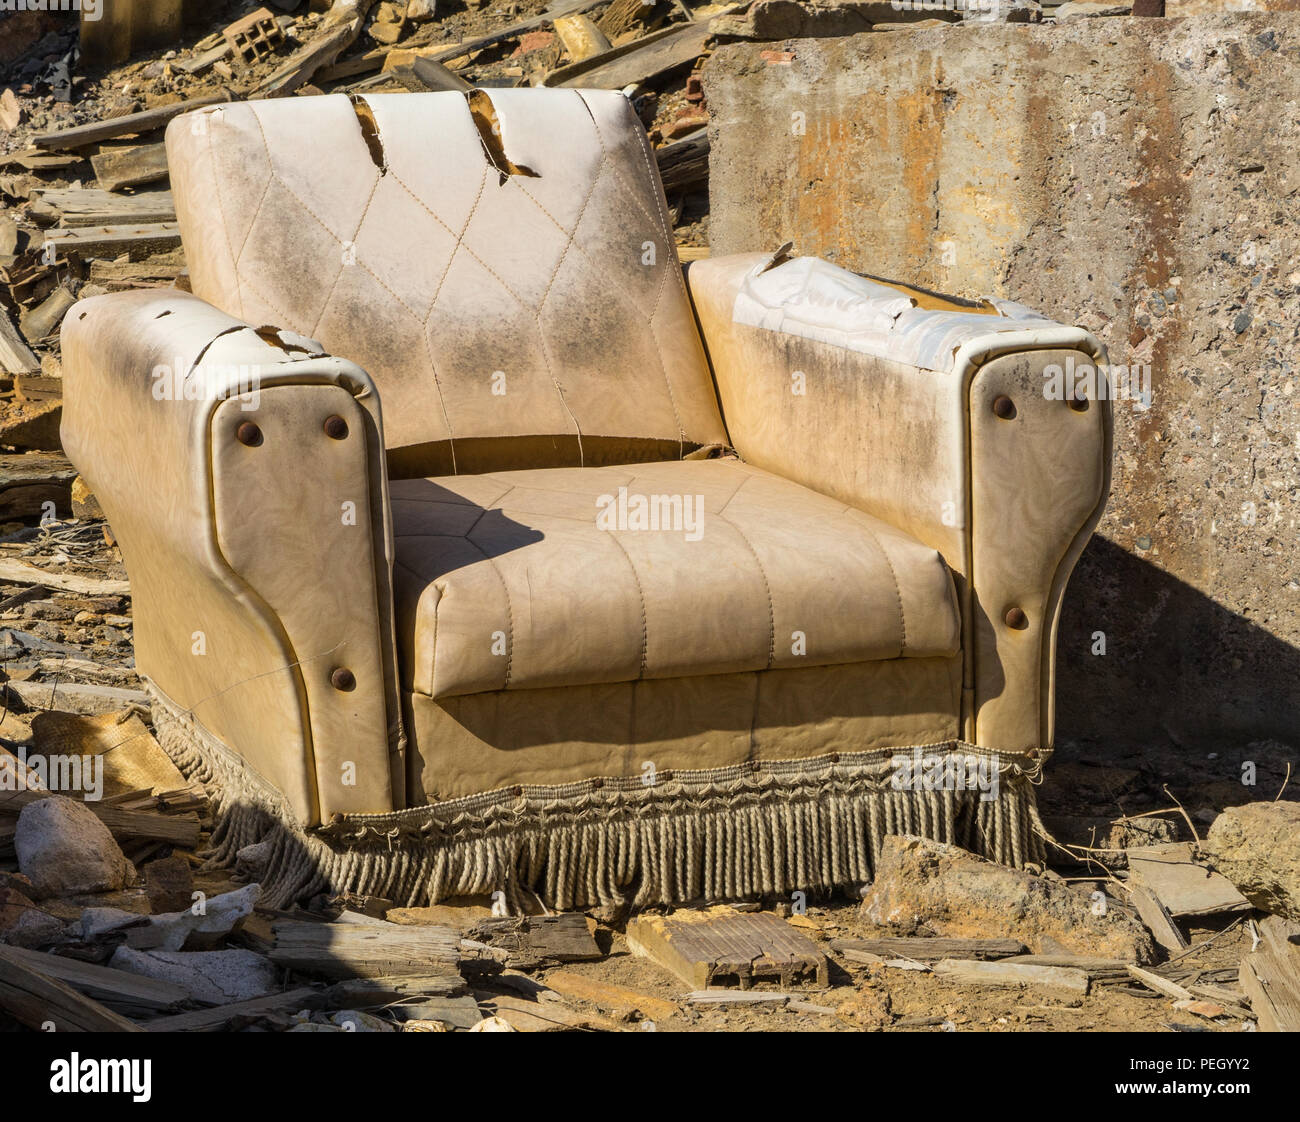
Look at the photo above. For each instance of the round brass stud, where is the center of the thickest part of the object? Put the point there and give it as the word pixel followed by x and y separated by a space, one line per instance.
pixel 248 433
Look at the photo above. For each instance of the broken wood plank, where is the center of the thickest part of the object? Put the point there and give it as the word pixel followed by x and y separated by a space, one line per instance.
pixel 723 947
pixel 1156 918
pixel 514 30
pixel 364 950
pixel 129 994
pixel 932 949
pixel 116 168
pixel 302 65
pixel 76 697
pixel 132 124
pixel 125 825
pixel 1161 985
pixel 109 241
pixel 534 941
pixel 581 37
pixel 222 1016
pixel 14 571
pixel 1097 969
pixel 974 973
pixel 1184 886
pixel 16 357
pixel 1270 976
pixel 92 207
pixel 39 1001
pixel 684 161
pixel 638 61
pixel 374 993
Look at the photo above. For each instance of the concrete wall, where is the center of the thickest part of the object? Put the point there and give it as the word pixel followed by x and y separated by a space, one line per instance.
pixel 1135 176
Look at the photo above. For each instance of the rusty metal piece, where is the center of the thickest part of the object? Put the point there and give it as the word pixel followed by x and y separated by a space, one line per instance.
pixel 1004 407
pixel 343 679
pixel 248 433
pixel 336 428
pixel 1016 618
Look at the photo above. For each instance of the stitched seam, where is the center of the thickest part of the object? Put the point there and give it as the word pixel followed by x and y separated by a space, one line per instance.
pixel 898 589
pixel 664 232
pixel 645 627
pixel 325 303
pixel 510 616
pixel 767 588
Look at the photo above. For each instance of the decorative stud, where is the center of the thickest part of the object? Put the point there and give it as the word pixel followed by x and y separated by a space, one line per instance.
pixel 249 434
pixel 336 428
pixel 1016 618
pixel 1004 407
pixel 343 679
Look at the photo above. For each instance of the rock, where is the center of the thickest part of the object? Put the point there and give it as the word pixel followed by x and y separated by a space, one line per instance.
pixel 952 892
pixel 1257 847
pixel 63 848
pixel 1002 11
pixel 1085 9
pixel 251 861
pixel 417 10
pixel 171 931
pixel 214 977
pixel 169 884
pixel 23 924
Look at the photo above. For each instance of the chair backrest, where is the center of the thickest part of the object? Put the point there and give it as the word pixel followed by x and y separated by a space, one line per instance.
pixel 501 265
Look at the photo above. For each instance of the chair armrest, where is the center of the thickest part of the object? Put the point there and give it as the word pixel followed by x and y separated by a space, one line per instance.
pixel 258 545
pixel 884 398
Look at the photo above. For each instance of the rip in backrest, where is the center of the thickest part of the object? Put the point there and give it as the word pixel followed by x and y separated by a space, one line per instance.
pixel 484 114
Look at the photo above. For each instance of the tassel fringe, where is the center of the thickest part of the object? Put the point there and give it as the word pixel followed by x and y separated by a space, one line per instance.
pixel 724 834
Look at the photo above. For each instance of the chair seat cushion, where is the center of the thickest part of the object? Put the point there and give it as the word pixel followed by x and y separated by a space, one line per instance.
pixel 578 576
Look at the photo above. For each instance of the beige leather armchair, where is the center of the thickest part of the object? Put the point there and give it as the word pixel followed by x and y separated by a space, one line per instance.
pixel 627 593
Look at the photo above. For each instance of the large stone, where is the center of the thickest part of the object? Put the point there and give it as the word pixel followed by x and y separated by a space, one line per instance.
pixel 1257 847
pixel 213 977
pixel 948 891
pixel 22 923
pixel 198 927
pixel 1136 176
pixel 63 848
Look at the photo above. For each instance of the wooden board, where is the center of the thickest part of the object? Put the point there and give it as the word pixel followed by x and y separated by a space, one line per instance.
pixel 971 972
pixel 725 948
pixel 1156 918
pixel 109 241
pixel 220 1017
pixel 932 949
pixel 637 61
pixel 132 124
pixel 131 994
pixel 364 950
pixel 37 1000
pixel 116 168
pixel 1183 886
pixel 619 1000
pixel 1270 976
pixel 16 357
pixel 533 941
pixel 89 206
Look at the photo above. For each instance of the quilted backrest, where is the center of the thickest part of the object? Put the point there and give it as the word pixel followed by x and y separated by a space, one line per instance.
pixel 502 266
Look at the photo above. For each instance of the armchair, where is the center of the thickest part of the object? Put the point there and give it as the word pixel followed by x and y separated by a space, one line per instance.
pixel 473 549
